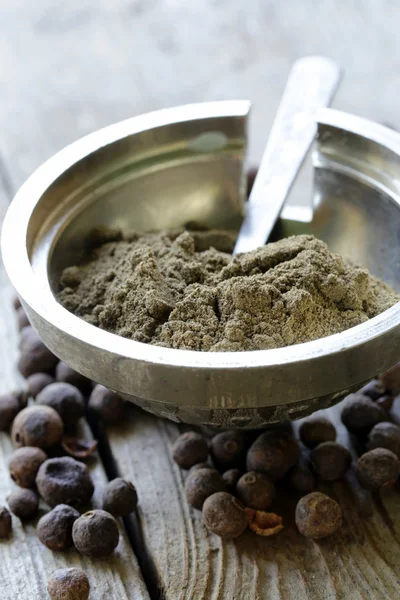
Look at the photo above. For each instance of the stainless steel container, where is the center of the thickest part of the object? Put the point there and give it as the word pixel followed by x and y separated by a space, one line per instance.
pixel 180 165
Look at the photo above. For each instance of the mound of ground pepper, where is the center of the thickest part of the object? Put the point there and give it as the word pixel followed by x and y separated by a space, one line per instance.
pixel 185 290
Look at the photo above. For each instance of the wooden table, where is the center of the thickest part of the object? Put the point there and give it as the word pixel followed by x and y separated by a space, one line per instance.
pixel 68 68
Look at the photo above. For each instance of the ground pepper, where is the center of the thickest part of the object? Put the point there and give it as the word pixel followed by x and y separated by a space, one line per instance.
pixel 172 289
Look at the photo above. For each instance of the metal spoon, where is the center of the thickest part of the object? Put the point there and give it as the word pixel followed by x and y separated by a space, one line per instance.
pixel 312 83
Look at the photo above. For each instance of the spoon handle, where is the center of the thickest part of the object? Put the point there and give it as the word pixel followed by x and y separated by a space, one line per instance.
pixel 312 83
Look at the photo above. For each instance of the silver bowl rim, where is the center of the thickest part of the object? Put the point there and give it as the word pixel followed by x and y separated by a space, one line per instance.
pixel 42 301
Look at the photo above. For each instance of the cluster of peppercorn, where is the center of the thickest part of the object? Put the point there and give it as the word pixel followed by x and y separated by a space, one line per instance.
pixel 367 416
pixel 47 462
pixel 233 478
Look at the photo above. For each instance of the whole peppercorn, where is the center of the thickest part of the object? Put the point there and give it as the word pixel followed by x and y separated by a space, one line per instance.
pixel 24 465
pixel 64 481
pixel 54 529
pixel 374 389
pixel 39 426
pixel 107 405
pixel 202 465
pixel 189 448
pixel 28 338
pixel 22 319
pixel 224 515
pixel 201 484
pixel 385 435
pixel 231 477
pixel 66 374
pixel 35 357
pixel 314 431
pixel 317 515
pixel 5 522
pixel 360 414
pixel 273 453
pixel 385 402
pixel 256 490
pixel 120 497
pixel 37 382
pixel 68 584
pixel 23 503
pixel 95 533
pixel 301 478
pixel 10 406
pixel 16 302
pixel 391 378
pixel 330 460
pixel 66 399
pixel 228 449
pixel 377 468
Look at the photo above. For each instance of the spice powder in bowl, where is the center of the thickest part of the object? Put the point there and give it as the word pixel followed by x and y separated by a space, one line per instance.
pixel 182 289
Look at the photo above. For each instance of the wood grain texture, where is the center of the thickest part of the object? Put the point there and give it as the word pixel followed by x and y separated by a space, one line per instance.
pixel 360 562
pixel 25 563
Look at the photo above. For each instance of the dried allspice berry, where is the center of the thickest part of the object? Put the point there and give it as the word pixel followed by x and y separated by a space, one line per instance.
pixel 256 490
pixel 107 405
pixel 39 426
pixel 16 302
pixel 231 477
pixel 54 529
pixel 35 357
pixel 385 435
pixel 95 533
pixel 68 584
pixel 28 339
pixel 66 399
pixel 66 374
pixel 360 414
pixel 225 515
pixel 228 449
pixel 301 478
pixel 391 378
pixel 10 406
pixel 120 497
pixel 202 465
pixel 377 468
pixel 318 515
pixel 316 430
pixel 24 465
pixel 37 382
pixel 330 460
pixel 64 481
pixel 201 484
pixel 22 319
pixel 374 389
pixel 23 503
pixel 5 522
pixel 189 449
pixel 273 453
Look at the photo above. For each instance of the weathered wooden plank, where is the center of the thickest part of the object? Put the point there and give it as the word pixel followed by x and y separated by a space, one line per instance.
pixel 359 562
pixel 25 564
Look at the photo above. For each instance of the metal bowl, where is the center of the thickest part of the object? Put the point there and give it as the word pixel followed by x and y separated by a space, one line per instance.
pixel 165 169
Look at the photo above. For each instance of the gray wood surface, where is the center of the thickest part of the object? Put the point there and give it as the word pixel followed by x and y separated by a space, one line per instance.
pixel 67 68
